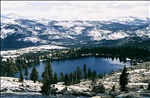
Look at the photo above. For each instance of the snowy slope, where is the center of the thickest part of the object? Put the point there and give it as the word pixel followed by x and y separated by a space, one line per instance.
pixel 15 53
pixel 36 31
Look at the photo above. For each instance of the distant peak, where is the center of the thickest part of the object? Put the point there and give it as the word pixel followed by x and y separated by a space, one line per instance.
pixel 11 15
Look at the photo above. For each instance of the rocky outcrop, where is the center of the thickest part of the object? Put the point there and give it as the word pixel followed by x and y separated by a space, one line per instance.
pixel 10 84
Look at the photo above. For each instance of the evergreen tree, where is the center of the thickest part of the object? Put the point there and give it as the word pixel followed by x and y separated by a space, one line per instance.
pixel 79 73
pixel 34 74
pixel 113 88
pixel 71 78
pixel 148 88
pixel 48 72
pixel 104 74
pixel 61 78
pixel 98 88
pixel 55 78
pixel 12 68
pixel 100 76
pixel 123 79
pixel 46 87
pixel 26 73
pixel 75 76
pixel 21 76
pixel 47 79
pixel 66 79
pixel 85 72
pixel 89 73
pixel 94 75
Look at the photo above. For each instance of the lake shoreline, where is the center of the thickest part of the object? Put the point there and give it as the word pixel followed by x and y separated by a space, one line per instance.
pixel 100 65
pixel 134 84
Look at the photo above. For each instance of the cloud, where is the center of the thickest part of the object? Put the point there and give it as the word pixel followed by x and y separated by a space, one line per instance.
pixel 9 5
pixel 81 10
pixel 129 4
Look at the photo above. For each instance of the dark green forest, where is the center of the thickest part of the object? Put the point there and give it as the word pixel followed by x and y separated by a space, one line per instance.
pixel 11 66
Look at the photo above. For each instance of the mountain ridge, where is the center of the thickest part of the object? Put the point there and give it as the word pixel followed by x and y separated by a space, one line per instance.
pixel 24 32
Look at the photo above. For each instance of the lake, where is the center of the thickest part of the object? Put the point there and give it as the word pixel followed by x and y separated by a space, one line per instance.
pixel 100 65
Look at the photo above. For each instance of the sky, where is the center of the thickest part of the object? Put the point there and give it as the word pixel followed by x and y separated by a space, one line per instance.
pixel 77 10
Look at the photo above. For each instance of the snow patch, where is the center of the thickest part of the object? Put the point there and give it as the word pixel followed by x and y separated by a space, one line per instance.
pixel 29 39
pixel 69 24
pixel 5 33
pixel 117 35
pixel 78 30
pixel 96 35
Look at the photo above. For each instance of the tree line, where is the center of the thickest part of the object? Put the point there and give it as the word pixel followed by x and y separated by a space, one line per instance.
pixel 49 77
pixel 68 78
pixel 11 66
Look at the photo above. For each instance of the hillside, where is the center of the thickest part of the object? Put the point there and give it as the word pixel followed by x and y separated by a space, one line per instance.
pixel 24 32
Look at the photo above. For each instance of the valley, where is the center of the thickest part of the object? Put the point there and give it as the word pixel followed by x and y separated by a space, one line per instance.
pixel 107 74
pixel 65 50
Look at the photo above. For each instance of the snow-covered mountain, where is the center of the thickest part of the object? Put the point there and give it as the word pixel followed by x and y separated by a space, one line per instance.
pixel 18 31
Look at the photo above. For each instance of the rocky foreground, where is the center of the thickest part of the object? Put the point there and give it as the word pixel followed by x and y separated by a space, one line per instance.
pixel 139 77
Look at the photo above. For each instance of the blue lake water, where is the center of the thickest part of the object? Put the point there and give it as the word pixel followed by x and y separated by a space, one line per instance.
pixel 100 65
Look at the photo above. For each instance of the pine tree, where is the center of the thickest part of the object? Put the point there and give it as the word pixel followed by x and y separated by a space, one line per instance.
pixel 55 78
pixel 89 73
pixel 75 76
pixel 85 72
pixel 12 68
pixel 47 79
pixel 98 88
pixel 34 74
pixel 113 88
pixel 123 79
pixel 148 88
pixel 61 78
pixel 26 73
pixel 46 87
pixel 66 79
pixel 21 76
pixel 94 75
pixel 48 72
pixel 71 77
pixel 79 73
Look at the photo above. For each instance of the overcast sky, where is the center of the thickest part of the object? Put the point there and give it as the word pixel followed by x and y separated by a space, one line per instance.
pixel 80 10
